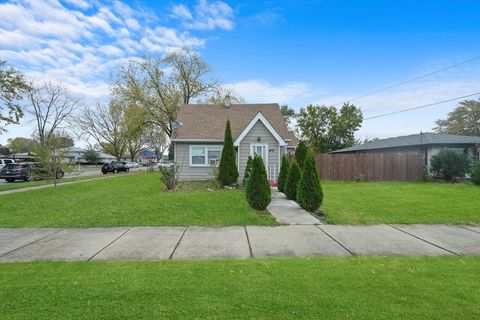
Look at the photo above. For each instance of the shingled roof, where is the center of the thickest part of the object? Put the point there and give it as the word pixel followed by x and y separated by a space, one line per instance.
pixel 421 139
pixel 207 121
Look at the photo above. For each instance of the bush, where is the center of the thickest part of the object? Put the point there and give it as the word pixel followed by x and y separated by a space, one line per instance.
pixel 293 177
pixel 301 153
pixel 258 190
pixel 168 175
pixel 448 164
pixel 282 177
pixel 475 176
pixel 227 171
pixel 248 170
pixel 309 191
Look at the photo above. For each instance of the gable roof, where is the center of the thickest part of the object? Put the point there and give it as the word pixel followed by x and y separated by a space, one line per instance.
pixel 421 139
pixel 206 122
pixel 262 119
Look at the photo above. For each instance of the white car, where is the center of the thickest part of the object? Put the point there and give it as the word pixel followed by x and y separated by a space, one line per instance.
pixel 131 165
pixel 4 162
pixel 165 164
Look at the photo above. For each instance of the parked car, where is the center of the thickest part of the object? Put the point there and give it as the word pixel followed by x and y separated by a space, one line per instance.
pixel 114 167
pixel 131 164
pixel 4 162
pixel 165 164
pixel 28 172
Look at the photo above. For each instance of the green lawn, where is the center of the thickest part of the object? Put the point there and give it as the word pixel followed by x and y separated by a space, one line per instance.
pixel 400 202
pixel 317 288
pixel 129 200
pixel 22 184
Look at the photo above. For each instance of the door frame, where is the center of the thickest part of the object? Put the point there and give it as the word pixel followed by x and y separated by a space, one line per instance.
pixel 265 145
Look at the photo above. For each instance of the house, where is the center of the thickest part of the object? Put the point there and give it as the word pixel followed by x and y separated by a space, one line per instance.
pixel 76 155
pixel 426 144
pixel 256 128
pixel 142 156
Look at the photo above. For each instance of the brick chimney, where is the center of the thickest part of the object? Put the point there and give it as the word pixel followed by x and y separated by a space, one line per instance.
pixel 227 102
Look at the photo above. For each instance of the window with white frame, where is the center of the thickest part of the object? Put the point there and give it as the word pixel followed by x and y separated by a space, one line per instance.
pixel 203 156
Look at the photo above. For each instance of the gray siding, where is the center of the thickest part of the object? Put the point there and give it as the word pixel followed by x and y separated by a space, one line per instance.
pixel 182 160
pixel 259 130
pixel 186 172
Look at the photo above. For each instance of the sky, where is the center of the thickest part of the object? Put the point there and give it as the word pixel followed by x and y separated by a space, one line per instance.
pixel 290 52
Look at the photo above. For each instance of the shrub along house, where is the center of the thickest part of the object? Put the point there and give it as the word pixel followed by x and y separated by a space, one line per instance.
pixel 256 129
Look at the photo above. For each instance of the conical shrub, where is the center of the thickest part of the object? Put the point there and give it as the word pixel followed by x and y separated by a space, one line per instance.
pixel 227 171
pixel 248 170
pixel 258 190
pixel 301 153
pixel 309 192
pixel 282 177
pixel 293 177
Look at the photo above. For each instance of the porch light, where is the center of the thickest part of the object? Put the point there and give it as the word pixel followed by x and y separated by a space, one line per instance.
pixel 259 139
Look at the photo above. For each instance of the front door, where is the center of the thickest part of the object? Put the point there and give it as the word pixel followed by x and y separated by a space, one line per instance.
pixel 260 150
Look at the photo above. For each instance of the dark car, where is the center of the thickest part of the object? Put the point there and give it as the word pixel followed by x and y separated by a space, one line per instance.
pixel 27 172
pixel 114 167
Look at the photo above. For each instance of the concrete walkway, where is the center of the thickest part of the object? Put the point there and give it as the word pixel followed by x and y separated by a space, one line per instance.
pixel 289 212
pixel 160 243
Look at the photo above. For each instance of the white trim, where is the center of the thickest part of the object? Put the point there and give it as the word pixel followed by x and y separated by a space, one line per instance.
pixel 260 117
pixel 238 159
pixel 252 145
pixel 279 162
pixel 206 148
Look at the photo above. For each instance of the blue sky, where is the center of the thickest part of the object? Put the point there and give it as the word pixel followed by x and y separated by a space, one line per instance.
pixel 294 52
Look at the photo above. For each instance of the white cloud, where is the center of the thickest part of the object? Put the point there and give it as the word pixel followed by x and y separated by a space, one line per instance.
pixel 206 15
pixel 78 42
pixel 79 3
pixel 73 45
pixel 182 12
pixel 263 91
pixel 268 17
pixel 444 87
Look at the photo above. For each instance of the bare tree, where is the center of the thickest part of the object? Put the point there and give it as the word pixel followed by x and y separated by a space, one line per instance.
pixel 104 125
pixel 160 85
pixel 220 94
pixel 156 140
pixel 189 74
pixel 52 107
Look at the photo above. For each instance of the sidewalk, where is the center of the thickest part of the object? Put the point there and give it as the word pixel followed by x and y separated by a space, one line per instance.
pixel 289 212
pixel 160 243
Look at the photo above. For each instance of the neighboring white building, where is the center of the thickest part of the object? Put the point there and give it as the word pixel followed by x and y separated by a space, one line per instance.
pixel 76 155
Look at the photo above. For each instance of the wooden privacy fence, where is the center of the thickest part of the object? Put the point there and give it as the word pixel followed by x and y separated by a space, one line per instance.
pixel 381 166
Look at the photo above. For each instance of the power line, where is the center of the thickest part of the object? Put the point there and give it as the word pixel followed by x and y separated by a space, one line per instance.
pixel 420 107
pixel 410 80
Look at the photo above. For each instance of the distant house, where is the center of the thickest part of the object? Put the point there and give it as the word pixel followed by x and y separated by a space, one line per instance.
pixel 426 144
pixel 142 156
pixel 76 155
pixel 256 128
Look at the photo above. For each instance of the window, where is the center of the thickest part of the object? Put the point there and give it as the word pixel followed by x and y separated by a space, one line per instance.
pixel 198 155
pixel 205 155
pixel 214 156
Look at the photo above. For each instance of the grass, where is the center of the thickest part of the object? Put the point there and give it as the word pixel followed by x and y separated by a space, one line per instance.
pixel 400 202
pixel 22 184
pixel 317 288
pixel 129 200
